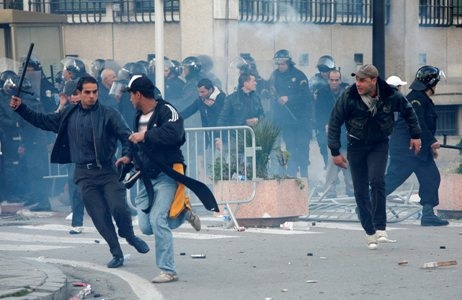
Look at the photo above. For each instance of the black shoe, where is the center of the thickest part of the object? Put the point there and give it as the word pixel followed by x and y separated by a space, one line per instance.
pixel 430 219
pixel 433 221
pixel 116 262
pixel 139 244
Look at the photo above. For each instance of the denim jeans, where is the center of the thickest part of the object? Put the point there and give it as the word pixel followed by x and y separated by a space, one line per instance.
pixel 75 197
pixel 157 222
pixel 367 165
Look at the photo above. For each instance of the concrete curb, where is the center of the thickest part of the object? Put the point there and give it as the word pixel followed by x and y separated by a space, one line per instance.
pixel 30 279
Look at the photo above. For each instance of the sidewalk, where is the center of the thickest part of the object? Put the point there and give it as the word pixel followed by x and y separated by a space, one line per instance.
pixel 30 279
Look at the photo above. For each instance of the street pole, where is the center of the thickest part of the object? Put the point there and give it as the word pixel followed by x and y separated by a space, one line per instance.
pixel 159 44
pixel 378 35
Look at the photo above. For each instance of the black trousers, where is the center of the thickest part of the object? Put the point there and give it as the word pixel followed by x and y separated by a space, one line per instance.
pixel 427 173
pixel 104 198
pixel 367 163
pixel 297 139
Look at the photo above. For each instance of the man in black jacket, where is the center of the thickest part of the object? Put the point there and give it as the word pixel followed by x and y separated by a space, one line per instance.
pixel 87 135
pixel 367 109
pixel 158 136
pixel 403 163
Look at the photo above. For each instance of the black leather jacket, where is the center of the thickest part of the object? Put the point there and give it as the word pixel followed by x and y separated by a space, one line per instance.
pixel 361 124
pixel 108 127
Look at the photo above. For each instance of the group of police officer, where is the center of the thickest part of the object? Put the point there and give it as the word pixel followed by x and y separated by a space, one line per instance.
pixel 288 98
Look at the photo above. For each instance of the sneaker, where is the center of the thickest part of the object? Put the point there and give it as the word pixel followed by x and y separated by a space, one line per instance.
pixel 76 230
pixel 371 241
pixel 164 277
pixel 382 237
pixel 195 221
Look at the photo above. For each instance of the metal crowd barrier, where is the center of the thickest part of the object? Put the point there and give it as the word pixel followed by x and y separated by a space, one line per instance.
pixel 344 209
pixel 215 165
pixel 234 160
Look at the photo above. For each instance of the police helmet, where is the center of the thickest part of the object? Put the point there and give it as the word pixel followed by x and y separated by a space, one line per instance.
pixel 282 56
pixel 8 74
pixel 249 64
pixel 326 63
pixel 74 66
pixel 130 69
pixel 206 62
pixel 34 63
pixel 176 68
pixel 97 66
pixel 192 63
pixel 427 77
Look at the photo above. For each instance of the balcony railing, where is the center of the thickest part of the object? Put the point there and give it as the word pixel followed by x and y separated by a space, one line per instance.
pixel 104 11
pixel 432 13
pixel 348 12
pixel 440 13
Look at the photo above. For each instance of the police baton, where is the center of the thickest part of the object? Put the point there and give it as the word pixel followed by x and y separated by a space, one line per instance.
pixel 18 91
pixel 444 145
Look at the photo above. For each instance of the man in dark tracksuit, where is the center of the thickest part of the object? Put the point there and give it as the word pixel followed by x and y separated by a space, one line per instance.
pixel 403 162
pixel 87 135
pixel 367 109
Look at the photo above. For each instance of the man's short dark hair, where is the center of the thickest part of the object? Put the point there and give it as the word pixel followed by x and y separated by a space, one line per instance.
pixel 206 83
pixel 86 79
pixel 243 78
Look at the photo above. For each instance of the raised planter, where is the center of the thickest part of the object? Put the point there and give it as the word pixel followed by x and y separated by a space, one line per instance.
pixel 450 194
pixel 276 200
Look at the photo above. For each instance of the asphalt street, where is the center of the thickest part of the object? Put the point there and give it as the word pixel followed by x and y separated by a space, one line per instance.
pixel 322 260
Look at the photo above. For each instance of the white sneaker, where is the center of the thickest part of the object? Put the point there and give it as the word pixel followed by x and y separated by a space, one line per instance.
pixel 76 230
pixel 164 277
pixel 382 237
pixel 371 241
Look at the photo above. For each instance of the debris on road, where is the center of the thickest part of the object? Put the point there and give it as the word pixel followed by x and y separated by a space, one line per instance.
pixel 198 255
pixel 403 262
pixel 436 264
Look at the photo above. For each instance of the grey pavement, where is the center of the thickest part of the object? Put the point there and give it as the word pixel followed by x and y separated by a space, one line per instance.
pixel 317 260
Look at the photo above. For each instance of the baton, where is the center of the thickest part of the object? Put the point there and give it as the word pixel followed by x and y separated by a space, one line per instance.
pixel 25 69
pixel 450 147
pixel 444 145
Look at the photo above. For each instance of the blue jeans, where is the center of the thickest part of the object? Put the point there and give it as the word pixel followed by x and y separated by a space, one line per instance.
pixel 157 222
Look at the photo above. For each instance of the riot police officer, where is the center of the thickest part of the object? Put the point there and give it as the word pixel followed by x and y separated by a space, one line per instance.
pixel 325 64
pixel 192 74
pixel 292 110
pixel 403 162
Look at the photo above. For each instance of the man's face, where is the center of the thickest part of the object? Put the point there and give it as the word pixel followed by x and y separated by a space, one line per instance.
pixel 334 81
pixel 204 93
pixel 251 84
pixel 88 94
pixel 108 79
pixel 135 99
pixel 366 86
pixel 67 75
pixel 282 66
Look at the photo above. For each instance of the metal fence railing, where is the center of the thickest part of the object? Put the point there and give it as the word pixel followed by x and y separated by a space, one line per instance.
pixel 432 13
pixel 104 11
pixel 440 13
pixel 229 170
pixel 347 12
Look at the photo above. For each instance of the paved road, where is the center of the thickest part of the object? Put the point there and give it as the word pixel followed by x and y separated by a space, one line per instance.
pixel 325 261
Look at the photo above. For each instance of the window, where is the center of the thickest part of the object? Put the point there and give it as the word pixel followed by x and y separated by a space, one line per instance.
pixel 447 119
